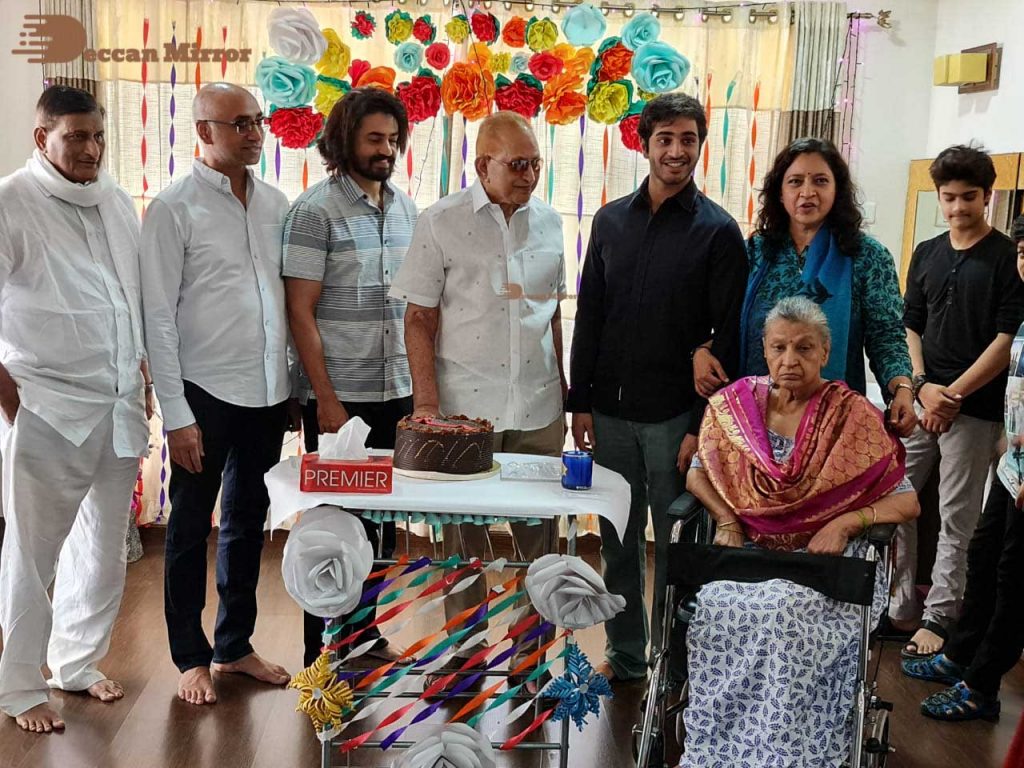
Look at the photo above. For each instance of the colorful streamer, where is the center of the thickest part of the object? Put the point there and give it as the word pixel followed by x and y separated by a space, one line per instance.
pixel 579 206
pixel 753 154
pixel 465 151
pixel 224 56
pixel 408 159
pixel 199 74
pixel 551 164
pixel 173 107
pixel 446 141
pixel 604 167
pixel 707 144
pixel 725 133
pixel 145 114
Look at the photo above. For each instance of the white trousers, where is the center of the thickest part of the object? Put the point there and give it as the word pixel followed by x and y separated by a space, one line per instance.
pixel 66 501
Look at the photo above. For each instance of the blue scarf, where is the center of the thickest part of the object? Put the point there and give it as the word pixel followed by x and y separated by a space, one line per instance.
pixel 827 280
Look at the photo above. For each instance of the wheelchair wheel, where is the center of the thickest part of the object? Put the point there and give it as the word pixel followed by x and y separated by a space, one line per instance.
pixel 677 709
pixel 656 753
pixel 876 746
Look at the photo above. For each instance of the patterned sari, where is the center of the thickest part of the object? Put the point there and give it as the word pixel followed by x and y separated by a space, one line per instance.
pixel 844 459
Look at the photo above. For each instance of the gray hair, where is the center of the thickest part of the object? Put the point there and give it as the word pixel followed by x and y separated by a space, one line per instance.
pixel 800 309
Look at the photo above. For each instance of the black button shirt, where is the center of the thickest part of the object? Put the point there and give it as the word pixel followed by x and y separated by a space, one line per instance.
pixel 653 288
pixel 957 302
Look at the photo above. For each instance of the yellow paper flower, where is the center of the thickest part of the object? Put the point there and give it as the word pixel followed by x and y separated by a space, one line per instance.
pixel 337 57
pixel 399 27
pixel 327 95
pixel 500 62
pixel 542 35
pixel 608 102
pixel 322 697
pixel 457 29
pixel 479 53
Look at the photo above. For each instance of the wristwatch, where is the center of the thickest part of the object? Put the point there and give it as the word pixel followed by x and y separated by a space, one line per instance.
pixel 919 381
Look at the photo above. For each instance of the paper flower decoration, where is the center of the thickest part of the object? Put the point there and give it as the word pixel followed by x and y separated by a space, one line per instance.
pixel 641 29
pixel 295 34
pixel 500 62
pixel 336 58
pixel 583 24
pixel 520 63
pixel 378 77
pixel 659 68
pixel 438 55
pixel 329 91
pixel 296 127
pixel 579 690
pixel 628 133
pixel 541 34
pixel 478 53
pixel 397 27
pixel 485 27
pixel 455 745
pixel 457 28
pixel 608 102
pixel 285 84
pixel 577 61
pixel 563 101
pixel 421 97
pixel 545 65
pixel 357 69
pixel 513 34
pixel 322 697
pixel 408 56
pixel 469 89
pixel 522 95
pixel 424 30
pixel 326 560
pixel 569 593
pixel 612 62
pixel 363 25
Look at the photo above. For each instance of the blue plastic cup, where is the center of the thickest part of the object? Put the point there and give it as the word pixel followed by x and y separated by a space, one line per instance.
pixel 577 470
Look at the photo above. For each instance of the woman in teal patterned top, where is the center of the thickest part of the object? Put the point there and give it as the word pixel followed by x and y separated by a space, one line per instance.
pixel 808 242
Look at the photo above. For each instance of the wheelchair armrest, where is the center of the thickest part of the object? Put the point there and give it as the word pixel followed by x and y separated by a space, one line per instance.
pixel 686 508
pixel 881 534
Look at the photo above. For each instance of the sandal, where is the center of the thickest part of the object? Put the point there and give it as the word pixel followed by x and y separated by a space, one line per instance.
pixel 959 703
pixel 910 649
pixel 935 669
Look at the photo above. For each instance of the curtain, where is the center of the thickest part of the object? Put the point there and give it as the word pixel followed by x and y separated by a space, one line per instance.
pixel 743 72
pixel 77 73
pixel 821 33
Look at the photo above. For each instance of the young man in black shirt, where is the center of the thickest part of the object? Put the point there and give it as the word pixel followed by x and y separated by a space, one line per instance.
pixel 665 271
pixel 964 302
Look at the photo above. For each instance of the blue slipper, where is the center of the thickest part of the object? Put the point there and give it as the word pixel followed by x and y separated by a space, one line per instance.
pixel 934 669
pixel 960 703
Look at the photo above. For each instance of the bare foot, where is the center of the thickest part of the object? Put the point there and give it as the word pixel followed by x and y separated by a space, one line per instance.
pixel 106 690
pixel 40 719
pixel 196 686
pixel 254 666
pixel 927 642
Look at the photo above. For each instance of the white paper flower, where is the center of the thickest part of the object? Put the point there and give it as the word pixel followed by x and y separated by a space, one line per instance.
pixel 454 746
pixel 569 593
pixel 326 560
pixel 295 34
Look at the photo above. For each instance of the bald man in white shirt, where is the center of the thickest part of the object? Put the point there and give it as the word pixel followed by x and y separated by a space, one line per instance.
pixel 213 301
pixel 73 427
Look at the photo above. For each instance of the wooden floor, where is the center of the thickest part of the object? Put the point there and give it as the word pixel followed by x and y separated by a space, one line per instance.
pixel 255 725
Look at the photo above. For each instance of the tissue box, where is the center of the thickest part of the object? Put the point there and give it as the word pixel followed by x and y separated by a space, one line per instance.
pixel 318 475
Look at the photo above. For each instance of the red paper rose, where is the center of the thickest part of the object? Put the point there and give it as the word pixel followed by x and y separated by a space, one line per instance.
pixel 357 69
pixel 421 97
pixel 615 63
pixel 519 96
pixel 438 55
pixel 545 65
pixel 296 127
pixel 628 132
pixel 363 25
pixel 423 31
pixel 513 34
pixel 485 26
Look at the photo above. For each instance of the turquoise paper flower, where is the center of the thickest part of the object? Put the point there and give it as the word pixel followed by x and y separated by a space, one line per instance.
pixel 285 84
pixel 520 63
pixel 583 24
pixel 408 57
pixel 579 690
pixel 641 29
pixel 659 68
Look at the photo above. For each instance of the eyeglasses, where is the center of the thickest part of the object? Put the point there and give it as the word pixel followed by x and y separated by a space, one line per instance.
pixel 522 164
pixel 244 125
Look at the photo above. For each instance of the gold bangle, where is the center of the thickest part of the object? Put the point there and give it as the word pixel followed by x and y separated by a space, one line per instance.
pixel 726 525
pixel 863 520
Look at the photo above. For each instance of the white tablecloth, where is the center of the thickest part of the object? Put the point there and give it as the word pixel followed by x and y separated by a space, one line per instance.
pixel 609 496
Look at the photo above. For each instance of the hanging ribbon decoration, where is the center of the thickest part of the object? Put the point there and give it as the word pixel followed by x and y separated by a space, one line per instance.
pixel 753 151
pixel 145 114
pixel 199 74
pixel 707 144
pixel 173 107
pixel 408 158
pixel 305 169
pixel 224 56
pixel 579 206
pixel 446 145
pixel 465 150
pixel 164 468
pixel 551 164
pixel 725 134
pixel 277 162
pixel 604 167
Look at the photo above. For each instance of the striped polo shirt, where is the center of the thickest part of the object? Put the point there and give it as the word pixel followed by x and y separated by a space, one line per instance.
pixel 335 235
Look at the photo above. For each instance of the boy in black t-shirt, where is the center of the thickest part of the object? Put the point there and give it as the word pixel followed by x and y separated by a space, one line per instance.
pixel 964 302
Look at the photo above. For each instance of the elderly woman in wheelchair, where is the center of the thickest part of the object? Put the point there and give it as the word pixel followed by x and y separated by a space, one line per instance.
pixel 787 463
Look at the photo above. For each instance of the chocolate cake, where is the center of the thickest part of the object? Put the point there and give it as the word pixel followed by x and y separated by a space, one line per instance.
pixel 455 445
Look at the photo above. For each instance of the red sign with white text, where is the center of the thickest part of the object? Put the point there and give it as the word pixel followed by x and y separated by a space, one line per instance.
pixel 318 475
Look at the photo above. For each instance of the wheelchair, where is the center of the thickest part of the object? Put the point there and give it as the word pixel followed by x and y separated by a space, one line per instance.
pixel 694 562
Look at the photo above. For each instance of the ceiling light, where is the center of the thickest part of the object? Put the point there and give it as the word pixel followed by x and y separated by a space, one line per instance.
pixel 680 15
pixel 727 17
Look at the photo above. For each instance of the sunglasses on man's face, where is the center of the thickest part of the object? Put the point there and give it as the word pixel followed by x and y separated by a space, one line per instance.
pixel 521 164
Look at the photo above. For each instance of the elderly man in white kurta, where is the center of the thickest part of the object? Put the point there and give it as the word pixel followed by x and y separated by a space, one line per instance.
pixel 483 278
pixel 73 406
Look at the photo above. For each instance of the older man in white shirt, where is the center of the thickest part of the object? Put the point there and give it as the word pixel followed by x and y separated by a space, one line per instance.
pixel 216 330
pixel 483 278
pixel 74 413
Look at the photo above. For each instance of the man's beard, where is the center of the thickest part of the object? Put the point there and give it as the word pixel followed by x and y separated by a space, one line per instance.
pixel 368 169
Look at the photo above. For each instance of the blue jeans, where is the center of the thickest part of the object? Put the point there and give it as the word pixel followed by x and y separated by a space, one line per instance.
pixel 645 455
pixel 241 445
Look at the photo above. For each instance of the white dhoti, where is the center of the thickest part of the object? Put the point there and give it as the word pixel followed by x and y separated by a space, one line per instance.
pixel 71 502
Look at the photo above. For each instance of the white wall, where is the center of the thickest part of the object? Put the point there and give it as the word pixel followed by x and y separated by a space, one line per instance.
pixel 23 83
pixel 995 118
